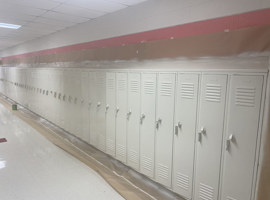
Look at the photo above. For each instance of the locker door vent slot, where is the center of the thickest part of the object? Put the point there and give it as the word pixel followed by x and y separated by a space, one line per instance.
pixel 213 93
pixel 102 142
pixel 163 171
pixel 245 96
pixel 101 79
pixel 187 90
pixel 230 198
pixel 133 156
pixel 182 181
pixel 166 89
pixel 121 85
pixel 206 192
pixel 147 163
pixel 134 86
pixel 120 150
pixel 110 84
pixel 110 145
pixel 149 87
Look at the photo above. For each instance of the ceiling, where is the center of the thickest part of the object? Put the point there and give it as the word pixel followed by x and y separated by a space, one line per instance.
pixel 43 17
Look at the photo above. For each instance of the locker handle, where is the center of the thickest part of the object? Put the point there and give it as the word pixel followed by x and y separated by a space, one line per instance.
pixel 142 117
pixel 98 104
pixel 176 130
pixel 158 122
pixel 128 114
pixel 82 101
pixel 201 133
pixel 228 142
pixel 177 126
pixel 116 110
pixel 107 107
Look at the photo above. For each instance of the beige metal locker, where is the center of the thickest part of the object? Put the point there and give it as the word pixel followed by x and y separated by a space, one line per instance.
pixel 84 106
pixel 164 128
pixel 92 108
pixel 133 120
pixel 241 137
pixel 185 132
pixel 209 138
pixel 110 112
pixel 99 134
pixel 147 121
pixel 121 117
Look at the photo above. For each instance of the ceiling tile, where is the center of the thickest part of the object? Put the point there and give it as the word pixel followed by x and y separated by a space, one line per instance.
pixel 79 11
pixel 128 2
pixel 99 5
pixel 40 4
pixel 62 23
pixel 64 17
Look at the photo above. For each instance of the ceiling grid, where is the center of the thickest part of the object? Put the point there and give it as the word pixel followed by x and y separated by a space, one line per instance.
pixel 43 17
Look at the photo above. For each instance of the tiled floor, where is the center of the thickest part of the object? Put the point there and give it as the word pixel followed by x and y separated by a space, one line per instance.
pixel 32 168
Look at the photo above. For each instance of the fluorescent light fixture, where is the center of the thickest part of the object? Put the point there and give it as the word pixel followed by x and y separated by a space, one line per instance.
pixel 12 26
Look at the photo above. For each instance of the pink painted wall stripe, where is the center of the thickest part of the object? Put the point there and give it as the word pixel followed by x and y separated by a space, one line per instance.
pixel 234 22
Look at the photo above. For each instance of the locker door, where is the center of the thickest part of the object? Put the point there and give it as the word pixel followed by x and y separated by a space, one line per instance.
pixel 66 100
pixel 164 128
pixel 241 137
pixel 92 108
pixel 209 138
pixel 76 96
pixel 147 121
pixel 100 123
pixel 110 113
pixel 121 116
pixel 84 105
pixel 185 131
pixel 133 117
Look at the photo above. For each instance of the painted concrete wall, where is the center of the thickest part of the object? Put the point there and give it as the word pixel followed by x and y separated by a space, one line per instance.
pixel 150 15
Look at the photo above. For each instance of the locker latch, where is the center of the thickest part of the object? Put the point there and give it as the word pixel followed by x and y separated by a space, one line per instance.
pixel 116 110
pixel 228 142
pixel 128 114
pixel 177 126
pixel 107 107
pixel 142 117
pixel 158 122
pixel 203 131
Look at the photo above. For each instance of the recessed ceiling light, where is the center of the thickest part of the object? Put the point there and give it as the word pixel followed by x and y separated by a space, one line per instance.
pixel 12 26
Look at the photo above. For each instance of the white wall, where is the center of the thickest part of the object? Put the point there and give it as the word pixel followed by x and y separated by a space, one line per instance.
pixel 152 14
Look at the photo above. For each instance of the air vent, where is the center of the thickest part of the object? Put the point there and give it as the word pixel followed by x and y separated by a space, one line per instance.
pixel 163 171
pixel 182 181
pixel 230 198
pixel 110 145
pixel 147 163
pixel 110 84
pixel 213 93
pixel 134 86
pixel 245 96
pixel 166 89
pixel 120 149
pixel 133 156
pixel 206 192
pixel 149 87
pixel 121 85
pixel 187 90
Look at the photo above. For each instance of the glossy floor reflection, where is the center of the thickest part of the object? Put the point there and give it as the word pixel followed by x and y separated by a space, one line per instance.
pixel 32 168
